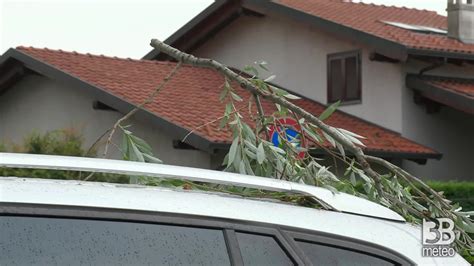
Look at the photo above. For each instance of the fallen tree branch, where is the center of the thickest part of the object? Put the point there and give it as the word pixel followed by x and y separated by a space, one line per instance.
pixel 249 86
pixel 384 188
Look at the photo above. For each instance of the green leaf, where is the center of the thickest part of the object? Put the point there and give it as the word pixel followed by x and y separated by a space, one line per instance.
pixel 248 167
pixel 251 69
pixel 228 109
pixel 223 122
pixel 233 150
pixel 250 145
pixel 237 158
pixel 250 153
pixel 249 133
pixel 352 137
pixel 223 94
pixel 242 167
pixel 312 134
pixel 330 139
pixel 353 179
pixel 136 152
pixel 291 96
pixel 341 150
pixel 235 96
pixel 125 148
pixel 262 65
pixel 328 112
pixel 152 159
pixel 278 91
pixel 331 188
pixel 260 153
pixel 141 144
pixel 270 78
pixel 277 149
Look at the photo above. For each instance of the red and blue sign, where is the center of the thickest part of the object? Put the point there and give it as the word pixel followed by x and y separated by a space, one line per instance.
pixel 289 129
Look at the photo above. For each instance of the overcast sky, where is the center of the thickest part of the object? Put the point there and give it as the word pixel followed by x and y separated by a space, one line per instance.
pixel 112 27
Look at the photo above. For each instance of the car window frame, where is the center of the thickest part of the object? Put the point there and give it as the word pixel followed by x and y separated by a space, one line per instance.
pixel 284 235
pixel 344 243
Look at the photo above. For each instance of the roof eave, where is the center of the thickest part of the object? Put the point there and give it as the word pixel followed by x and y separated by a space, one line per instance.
pixel 440 54
pixel 450 98
pixel 418 157
pixel 219 12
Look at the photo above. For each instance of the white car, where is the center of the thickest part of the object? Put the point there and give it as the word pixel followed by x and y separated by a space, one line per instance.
pixel 57 222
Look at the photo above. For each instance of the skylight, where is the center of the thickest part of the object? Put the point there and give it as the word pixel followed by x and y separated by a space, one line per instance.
pixel 417 28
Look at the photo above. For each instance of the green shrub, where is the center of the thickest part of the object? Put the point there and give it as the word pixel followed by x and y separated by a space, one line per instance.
pixel 59 142
pixel 460 192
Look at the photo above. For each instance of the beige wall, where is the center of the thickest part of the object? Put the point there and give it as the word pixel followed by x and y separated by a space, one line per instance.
pixel 297 54
pixel 39 104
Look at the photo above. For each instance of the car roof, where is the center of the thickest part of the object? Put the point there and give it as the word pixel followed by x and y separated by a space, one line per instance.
pixel 402 237
pixel 336 201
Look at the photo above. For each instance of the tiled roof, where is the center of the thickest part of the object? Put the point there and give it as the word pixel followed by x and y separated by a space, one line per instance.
pixel 460 86
pixel 191 98
pixel 370 18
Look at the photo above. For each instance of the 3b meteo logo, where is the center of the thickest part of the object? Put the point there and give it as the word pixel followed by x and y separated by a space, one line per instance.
pixel 437 237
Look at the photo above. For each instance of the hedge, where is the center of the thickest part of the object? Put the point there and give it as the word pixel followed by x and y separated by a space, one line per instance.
pixel 460 192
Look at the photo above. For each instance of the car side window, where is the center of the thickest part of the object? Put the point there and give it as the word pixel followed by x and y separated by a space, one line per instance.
pixel 261 250
pixel 321 254
pixel 56 241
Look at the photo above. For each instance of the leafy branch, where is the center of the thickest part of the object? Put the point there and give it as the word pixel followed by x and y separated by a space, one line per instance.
pixel 252 153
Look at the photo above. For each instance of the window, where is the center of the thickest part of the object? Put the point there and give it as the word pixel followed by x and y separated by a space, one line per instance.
pixel 320 254
pixel 54 241
pixel 261 250
pixel 344 77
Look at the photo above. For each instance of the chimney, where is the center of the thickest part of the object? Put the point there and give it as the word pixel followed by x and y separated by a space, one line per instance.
pixel 461 20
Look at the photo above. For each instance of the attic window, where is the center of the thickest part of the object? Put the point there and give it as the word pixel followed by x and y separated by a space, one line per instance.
pixel 417 28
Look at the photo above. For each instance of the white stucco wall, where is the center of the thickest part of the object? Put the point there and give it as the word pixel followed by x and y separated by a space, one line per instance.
pixel 297 55
pixel 39 104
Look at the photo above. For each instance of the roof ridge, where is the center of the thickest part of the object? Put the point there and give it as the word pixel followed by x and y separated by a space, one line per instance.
pixel 102 56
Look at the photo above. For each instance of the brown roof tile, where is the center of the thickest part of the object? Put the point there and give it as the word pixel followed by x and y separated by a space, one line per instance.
pixel 369 18
pixel 191 98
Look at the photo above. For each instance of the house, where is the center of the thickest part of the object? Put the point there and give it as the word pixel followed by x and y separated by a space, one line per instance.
pixel 407 70
pixel 403 82
pixel 50 89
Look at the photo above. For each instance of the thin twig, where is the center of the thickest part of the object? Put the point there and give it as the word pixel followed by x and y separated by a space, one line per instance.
pixel 97 142
pixel 261 114
pixel 208 123
pixel 150 99
pixel 111 131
